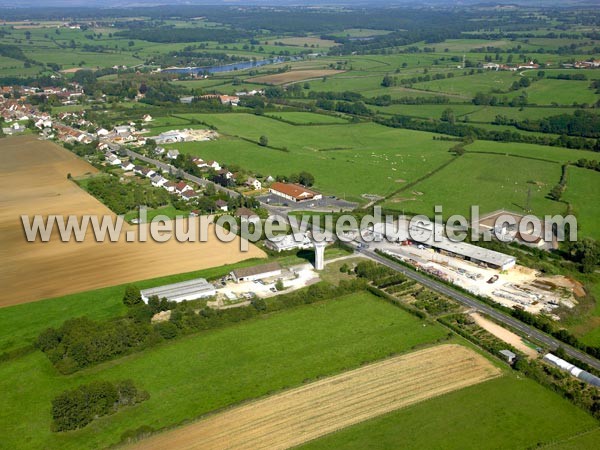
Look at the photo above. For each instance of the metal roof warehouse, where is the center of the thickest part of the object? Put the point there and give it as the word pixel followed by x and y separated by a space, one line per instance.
pixel 177 292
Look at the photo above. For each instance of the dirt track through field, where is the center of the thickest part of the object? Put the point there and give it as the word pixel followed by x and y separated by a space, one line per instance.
pixel 502 333
pixel 33 180
pixel 306 413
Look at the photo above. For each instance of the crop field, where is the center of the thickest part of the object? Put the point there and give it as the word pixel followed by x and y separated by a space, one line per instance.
pixel 33 271
pixel 309 41
pixel 208 371
pixel 303 414
pixel 506 412
pixel 346 159
pixel 490 181
pixel 293 76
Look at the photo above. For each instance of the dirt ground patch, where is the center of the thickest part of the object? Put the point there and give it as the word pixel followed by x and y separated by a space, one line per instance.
pixel 299 415
pixel 293 76
pixel 503 334
pixel 33 180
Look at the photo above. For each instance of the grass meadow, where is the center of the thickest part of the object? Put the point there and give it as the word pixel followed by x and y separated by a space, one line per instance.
pixel 346 159
pixel 507 412
pixel 194 375
pixel 490 181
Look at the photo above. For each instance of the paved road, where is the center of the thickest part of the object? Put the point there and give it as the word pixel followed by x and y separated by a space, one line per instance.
pixel 527 330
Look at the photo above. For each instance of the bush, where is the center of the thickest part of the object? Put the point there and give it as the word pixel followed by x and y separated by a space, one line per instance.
pixel 76 408
pixel 132 296
pixel 167 330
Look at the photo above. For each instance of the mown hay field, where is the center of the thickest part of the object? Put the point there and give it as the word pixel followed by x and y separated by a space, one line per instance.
pixel 33 180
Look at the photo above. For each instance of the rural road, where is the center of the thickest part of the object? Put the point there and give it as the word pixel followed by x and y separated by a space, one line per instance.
pixel 527 330
pixel 164 166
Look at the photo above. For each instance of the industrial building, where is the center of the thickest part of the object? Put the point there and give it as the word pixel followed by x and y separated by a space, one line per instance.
pixel 296 241
pixel 424 234
pixel 294 192
pixel 178 292
pixel 257 272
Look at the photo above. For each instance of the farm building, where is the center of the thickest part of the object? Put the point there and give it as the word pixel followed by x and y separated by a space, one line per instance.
pixel 294 192
pixel 177 292
pixel 508 356
pixel 256 272
pixel 289 242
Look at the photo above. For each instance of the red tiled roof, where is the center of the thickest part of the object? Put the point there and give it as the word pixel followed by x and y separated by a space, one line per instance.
pixel 293 190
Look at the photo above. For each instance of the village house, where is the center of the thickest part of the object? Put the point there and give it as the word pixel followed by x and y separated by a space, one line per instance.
pixel 147 118
pixel 113 159
pixel 253 183
pixel 247 215
pixel 224 173
pixel 158 180
pixel 189 195
pixel 181 187
pixel 222 205
pixel 173 154
pixel 214 165
pixel 169 186
pixel 127 166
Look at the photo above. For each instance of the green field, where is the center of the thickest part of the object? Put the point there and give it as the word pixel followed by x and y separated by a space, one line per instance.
pixel 22 323
pixel 350 160
pixel 306 118
pixel 490 181
pixel 582 187
pixel 211 370
pixel 505 413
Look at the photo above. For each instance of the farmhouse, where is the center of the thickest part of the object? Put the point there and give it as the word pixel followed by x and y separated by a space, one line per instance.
pixel 229 100
pixel 294 192
pixel 256 272
pixel 178 292
pixel 289 242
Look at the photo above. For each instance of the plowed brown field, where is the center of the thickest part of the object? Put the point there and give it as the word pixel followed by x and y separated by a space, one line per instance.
pixel 33 180
pixel 299 415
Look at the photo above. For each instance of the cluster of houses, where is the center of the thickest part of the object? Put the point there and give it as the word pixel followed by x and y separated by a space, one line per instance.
pixel 181 188
pixel 496 66
pixel 593 64
pixel 232 100
pixel 67 95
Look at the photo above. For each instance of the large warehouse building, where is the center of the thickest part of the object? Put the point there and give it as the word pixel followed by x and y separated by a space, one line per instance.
pixel 294 192
pixel 256 272
pixel 178 292
pixel 423 235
